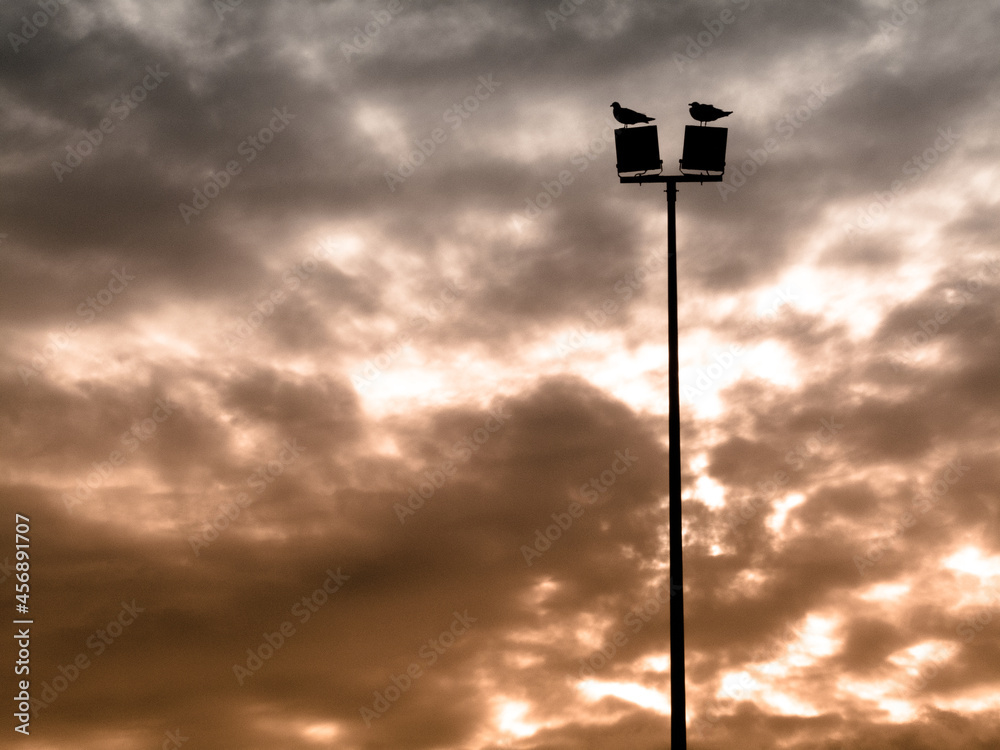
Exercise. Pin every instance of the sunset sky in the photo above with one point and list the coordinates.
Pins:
(334, 374)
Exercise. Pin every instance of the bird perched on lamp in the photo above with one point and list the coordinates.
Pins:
(627, 116)
(706, 112)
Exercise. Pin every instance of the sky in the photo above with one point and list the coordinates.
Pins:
(334, 359)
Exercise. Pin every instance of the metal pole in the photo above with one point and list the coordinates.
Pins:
(678, 705)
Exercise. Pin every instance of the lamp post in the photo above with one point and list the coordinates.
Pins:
(704, 149)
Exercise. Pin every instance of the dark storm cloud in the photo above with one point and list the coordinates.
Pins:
(196, 119)
(856, 97)
(124, 197)
(868, 643)
(326, 411)
(466, 545)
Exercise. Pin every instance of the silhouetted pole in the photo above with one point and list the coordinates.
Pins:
(678, 702)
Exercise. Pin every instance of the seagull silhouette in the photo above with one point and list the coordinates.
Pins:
(628, 116)
(706, 112)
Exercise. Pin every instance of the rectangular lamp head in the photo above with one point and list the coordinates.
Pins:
(638, 149)
(704, 149)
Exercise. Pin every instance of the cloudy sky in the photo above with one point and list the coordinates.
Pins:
(334, 374)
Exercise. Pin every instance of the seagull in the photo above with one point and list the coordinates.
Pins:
(628, 116)
(706, 112)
